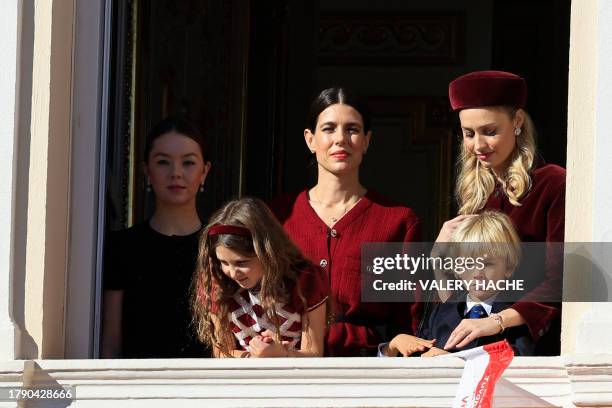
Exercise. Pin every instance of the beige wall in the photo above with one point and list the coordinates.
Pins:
(9, 74)
(580, 141)
(48, 180)
(587, 327)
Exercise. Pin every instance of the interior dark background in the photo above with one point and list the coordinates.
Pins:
(245, 71)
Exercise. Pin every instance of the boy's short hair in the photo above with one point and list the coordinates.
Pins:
(490, 233)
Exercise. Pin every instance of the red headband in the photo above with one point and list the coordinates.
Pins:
(220, 229)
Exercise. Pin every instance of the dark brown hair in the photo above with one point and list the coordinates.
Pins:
(282, 262)
(180, 125)
(333, 96)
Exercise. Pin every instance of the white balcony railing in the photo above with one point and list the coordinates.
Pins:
(566, 381)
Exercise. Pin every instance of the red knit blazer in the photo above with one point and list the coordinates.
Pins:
(539, 218)
(358, 327)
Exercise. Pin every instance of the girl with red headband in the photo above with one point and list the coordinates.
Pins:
(499, 170)
(254, 293)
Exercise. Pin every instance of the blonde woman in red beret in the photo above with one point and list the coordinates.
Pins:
(499, 170)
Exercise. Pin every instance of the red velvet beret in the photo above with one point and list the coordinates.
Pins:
(487, 88)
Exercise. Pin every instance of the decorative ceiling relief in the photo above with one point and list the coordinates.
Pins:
(392, 38)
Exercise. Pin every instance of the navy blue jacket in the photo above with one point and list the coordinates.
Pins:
(446, 316)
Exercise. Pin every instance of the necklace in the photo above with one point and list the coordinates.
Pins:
(335, 217)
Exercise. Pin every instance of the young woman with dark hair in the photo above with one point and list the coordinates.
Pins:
(149, 266)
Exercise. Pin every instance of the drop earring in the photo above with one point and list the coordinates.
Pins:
(148, 186)
(202, 187)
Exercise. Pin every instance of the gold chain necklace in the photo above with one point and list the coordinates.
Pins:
(334, 219)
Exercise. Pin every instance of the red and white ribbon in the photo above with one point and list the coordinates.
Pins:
(483, 367)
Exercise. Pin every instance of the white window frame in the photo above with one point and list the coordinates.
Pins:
(90, 128)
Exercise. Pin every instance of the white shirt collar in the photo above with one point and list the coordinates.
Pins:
(487, 304)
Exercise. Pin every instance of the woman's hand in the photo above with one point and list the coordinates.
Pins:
(450, 226)
(434, 351)
(471, 329)
(440, 249)
(406, 345)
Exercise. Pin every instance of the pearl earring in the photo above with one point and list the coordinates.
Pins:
(148, 186)
(517, 131)
(202, 187)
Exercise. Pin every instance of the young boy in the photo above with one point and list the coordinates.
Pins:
(490, 234)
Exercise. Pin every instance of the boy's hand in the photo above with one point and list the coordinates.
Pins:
(434, 351)
(406, 345)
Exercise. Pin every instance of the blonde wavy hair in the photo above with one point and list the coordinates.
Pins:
(212, 290)
(475, 183)
(491, 233)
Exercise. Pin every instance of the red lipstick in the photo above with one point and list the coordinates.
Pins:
(340, 154)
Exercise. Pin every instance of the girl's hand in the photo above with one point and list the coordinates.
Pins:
(265, 346)
(471, 329)
(407, 345)
(450, 226)
(260, 349)
(267, 336)
(434, 351)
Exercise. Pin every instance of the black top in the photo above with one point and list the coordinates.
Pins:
(154, 271)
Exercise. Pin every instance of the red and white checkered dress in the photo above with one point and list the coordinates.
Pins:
(248, 319)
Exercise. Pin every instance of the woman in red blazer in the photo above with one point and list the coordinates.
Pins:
(331, 220)
(499, 170)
